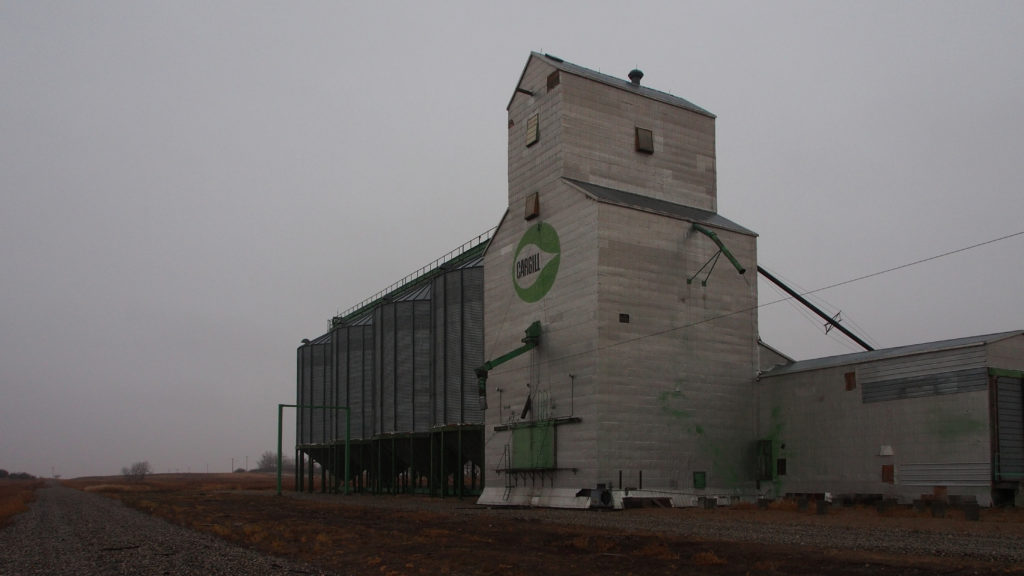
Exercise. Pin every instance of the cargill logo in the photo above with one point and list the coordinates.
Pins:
(535, 265)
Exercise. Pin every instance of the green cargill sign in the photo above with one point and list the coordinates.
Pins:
(535, 265)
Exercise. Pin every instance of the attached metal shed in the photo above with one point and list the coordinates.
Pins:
(921, 421)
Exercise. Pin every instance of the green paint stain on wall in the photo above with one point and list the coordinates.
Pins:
(950, 426)
(774, 435)
(672, 404)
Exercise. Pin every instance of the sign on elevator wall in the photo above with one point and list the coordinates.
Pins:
(535, 265)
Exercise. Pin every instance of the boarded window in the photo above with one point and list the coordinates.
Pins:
(851, 381)
(888, 473)
(644, 140)
(532, 206)
(553, 80)
(532, 130)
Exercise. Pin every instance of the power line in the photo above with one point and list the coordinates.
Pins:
(916, 262)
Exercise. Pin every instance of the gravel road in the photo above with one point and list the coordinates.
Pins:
(67, 531)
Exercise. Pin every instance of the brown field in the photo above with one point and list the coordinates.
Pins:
(394, 535)
(15, 496)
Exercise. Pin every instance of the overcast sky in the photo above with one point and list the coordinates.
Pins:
(190, 188)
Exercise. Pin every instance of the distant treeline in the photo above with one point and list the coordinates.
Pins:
(15, 475)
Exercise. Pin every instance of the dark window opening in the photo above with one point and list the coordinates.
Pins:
(851, 380)
(624, 318)
(780, 466)
(700, 480)
(553, 80)
(888, 473)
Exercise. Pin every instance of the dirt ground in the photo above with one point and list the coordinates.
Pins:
(415, 535)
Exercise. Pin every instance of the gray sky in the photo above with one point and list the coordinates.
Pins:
(190, 188)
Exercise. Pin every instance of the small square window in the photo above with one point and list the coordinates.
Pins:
(644, 140)
(553, 80)
(532, 130)
(888, 473)
(624, 318)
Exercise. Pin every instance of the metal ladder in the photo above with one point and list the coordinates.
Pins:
(506, 459)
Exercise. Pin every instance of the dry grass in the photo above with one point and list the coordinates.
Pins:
(15, 496)
(708, 558)
(180, 482)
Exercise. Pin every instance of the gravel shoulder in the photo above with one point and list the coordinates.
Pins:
(68, 531)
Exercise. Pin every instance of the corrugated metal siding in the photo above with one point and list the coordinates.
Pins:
(360, 369)
(339, 377)
(440, 364)
(458, 346)
(1010, 413)
(317, 396)
(384, 384)
(305, 419)
(453, 348)
(944, 474)
(421, 367)
(922, 364)
(404, 366)
(472, 342)
(956, 382)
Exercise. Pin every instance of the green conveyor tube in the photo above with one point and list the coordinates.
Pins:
(721, 246)
(529, 341)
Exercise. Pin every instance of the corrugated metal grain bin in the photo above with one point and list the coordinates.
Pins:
(403, 359)
(314, 368)
(321, 388)
(304, 364)
(353, 372)
(458, 344)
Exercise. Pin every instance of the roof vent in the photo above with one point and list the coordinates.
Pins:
(635, 75)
